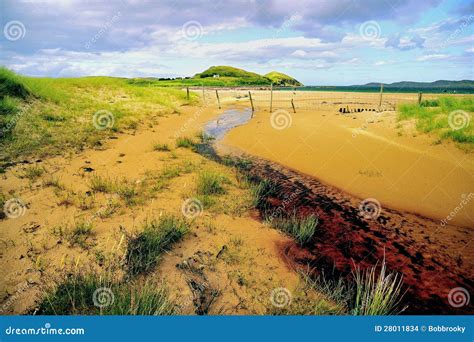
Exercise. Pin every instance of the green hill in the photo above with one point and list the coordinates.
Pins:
(222, 76)
(281, 79)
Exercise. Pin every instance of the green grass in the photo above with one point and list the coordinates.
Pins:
(373, 291)
(161, 147)
(75, 296)
(131, 192)
(211, 183)
(185, 142)
(12, 85)
(261, 191)
(77, 234)
(302, 229)
(33, 172)
(376, 294)
(158, 236)
(45, 116)
(433, 116)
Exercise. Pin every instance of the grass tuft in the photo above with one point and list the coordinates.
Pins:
(301, 228)
(75, 296)
(211, 183)
(33, 172)
(157, 237)
(376, 294)
(161, 147)
(185, 142)
(77, 234)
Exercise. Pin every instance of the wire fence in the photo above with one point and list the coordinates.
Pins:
(294, 100)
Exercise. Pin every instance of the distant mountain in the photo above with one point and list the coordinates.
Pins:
(441, 84)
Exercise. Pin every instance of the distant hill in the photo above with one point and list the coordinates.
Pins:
(281, 79)
(223, 76)
(440, 85)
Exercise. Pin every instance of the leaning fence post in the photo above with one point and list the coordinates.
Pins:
(271, 97)
(293, 105)
(251, 103)
(187, 93)
(380, 98)
(218, 100)
(420, 94)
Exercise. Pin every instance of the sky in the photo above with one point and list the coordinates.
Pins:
(319, 42)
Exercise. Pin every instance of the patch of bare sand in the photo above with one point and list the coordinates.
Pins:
(244, 274)
(369, 155)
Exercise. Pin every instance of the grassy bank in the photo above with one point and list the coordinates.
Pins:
(447, 117)
(44, 116)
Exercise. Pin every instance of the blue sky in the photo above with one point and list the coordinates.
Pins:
(325, 42)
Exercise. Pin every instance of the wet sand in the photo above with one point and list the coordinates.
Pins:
(367, 154)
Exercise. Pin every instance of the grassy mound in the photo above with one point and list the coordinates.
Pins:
(448, 117)
(45, 116)
(12, 85)
(281, 79)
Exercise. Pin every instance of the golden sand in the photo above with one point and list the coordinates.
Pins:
(367, 154)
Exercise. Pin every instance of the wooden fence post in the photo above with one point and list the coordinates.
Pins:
(420, 94)
(187, 93)
(380, 99)
(218, 100)
(251, 103)
(271, 97)
(293, 105)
